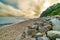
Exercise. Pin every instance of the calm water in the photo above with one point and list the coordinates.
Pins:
(10, 20)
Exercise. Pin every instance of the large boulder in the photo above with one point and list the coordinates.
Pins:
(53, 34)
(56, 24)
(57, 38)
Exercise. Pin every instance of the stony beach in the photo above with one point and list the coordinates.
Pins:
(46, 30)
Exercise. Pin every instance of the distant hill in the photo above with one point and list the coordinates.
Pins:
(52, 10)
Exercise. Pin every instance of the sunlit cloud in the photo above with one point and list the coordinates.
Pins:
(27, 8)
(9, 10)
(47, 4)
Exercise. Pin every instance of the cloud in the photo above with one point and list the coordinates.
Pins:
(10, 1)
(48, 3)
(13, 3)
(27, 8)
(9, 11)
(6, 9)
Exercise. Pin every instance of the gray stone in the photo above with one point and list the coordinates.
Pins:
(57, 38)
(39, 38)
(56, 24)
(53, 34)
(45, 38)
(42, 38)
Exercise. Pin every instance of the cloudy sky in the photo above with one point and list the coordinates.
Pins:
(26, 7)
(10, 2)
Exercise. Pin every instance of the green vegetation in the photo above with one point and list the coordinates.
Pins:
(55, 12)
(52, 10)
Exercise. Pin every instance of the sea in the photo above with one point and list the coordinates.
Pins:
(11, 20)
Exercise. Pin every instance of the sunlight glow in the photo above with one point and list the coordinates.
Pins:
(46, 5)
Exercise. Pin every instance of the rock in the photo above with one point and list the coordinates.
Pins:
(53, 34)
(45, 25)
(29, 27)
(41, 23)
(39, 38)
(45, 38)
(57, 16)
(48, 27)
(57, 38)
(39, 34)
(32, 32)
(42, 38)
(56, 24)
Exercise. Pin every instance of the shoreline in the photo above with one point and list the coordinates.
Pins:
(12, 24)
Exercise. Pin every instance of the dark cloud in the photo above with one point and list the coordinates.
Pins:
(11, 3)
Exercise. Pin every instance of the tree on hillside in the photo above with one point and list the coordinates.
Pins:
(52, 10)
